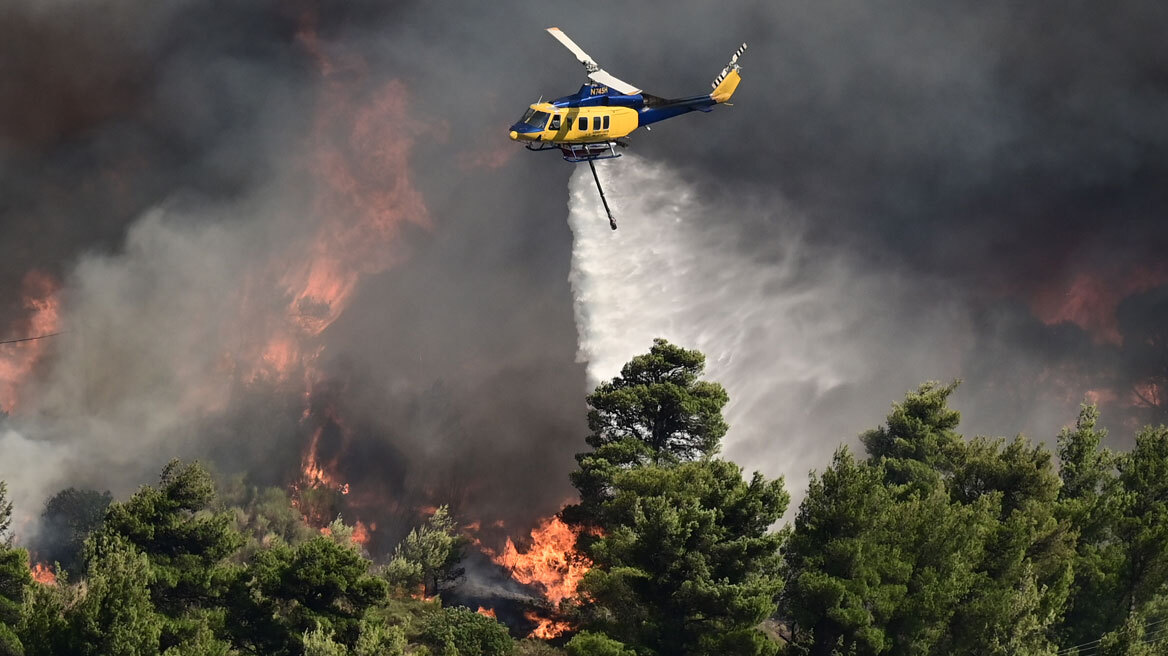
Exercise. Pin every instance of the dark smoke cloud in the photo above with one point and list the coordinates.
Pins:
(968, 155)
(453, 369)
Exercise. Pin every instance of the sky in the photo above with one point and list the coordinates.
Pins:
(900, 193)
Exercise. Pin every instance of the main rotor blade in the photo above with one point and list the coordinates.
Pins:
(606, 78)
(595, 73)
(582, 56)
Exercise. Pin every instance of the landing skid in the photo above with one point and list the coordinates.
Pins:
(576, 153)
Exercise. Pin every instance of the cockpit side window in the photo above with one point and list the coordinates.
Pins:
(555, 125)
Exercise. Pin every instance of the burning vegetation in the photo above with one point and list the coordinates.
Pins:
(23, 341)
(43, 574)
(549, 562)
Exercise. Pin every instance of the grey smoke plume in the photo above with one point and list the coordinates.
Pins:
(183, 220)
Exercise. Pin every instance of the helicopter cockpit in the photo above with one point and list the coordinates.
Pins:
(532, 121)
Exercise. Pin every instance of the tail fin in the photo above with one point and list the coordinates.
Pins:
(727, 81)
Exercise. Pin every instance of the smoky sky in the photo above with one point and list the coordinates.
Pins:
(992, 152)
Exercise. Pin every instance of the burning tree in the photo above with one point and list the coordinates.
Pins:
(683, 557)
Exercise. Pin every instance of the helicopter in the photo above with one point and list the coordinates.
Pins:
(590, 124)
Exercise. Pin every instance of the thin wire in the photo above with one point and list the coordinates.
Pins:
(1147, 639)
(1098, 640)
(28, 339)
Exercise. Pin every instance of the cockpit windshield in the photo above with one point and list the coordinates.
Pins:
(535, 119)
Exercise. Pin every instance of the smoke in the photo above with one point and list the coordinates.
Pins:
(247, 258)
(33, 471)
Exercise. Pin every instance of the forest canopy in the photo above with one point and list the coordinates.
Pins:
(920, 541)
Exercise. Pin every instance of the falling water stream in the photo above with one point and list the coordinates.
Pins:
(788, 328)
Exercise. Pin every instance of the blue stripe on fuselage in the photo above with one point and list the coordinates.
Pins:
(610, 98)
(673, 108)
(645, 114)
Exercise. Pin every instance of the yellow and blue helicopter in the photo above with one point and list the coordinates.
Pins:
(591, 123)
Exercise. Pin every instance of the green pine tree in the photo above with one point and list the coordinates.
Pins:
(684, 559)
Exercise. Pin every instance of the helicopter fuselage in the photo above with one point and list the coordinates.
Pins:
(599, 114)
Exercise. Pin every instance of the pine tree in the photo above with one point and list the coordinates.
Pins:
(684, 560)
(1090, 500)
(14, 581)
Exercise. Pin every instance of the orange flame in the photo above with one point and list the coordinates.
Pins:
(549, 563)
(420, 595)
(318, 474)
(313, 473)
(43, 574)
(546, 628)
(1148, 394)
(361, 533)
(1099, 396)
(363, 193)
(1089, 301)
(18, 360)
(486, 612)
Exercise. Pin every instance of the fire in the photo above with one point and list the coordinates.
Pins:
(1148, 394)
(1099, 396)
(43, 574)
(316, 475)
(361, 533)
(549, 563)
(420, 595)
(18, 360)
(362, 193)
(486, 612)
(1090, 300)
(546, 628)
(319, 472)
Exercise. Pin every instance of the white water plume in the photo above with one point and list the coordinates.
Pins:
(790, 330)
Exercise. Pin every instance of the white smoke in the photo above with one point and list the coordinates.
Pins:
(808, 349)
(140, 363)
(32, 470)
